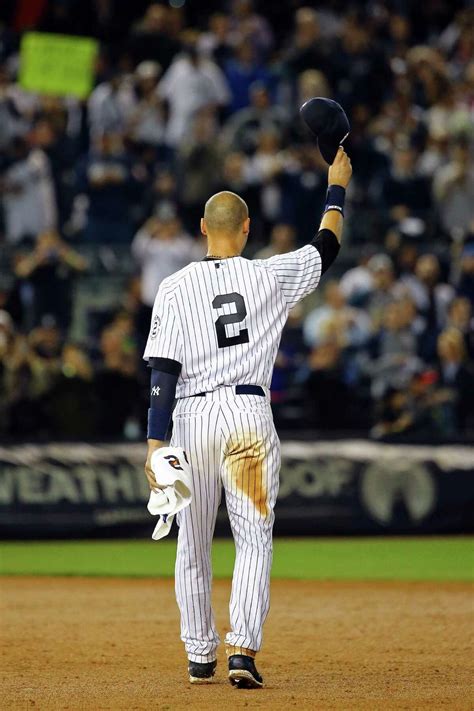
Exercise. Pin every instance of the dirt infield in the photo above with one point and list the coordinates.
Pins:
(98, 644)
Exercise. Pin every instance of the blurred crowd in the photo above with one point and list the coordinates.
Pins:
(189, 100)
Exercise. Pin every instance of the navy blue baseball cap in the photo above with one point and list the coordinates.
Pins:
(329, 123)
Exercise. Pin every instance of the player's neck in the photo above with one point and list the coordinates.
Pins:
(221, 250)
(224, 244)
(220, 255)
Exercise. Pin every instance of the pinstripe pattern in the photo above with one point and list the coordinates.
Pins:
(187, 331)
(226, 436)
(230, 439)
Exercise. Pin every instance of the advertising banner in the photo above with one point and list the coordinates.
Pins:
(330, 488)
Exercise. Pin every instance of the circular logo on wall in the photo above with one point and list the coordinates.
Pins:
(384, 484)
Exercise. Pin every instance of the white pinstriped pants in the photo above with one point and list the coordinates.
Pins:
(231, 443)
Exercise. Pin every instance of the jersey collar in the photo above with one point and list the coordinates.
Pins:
(219, 259)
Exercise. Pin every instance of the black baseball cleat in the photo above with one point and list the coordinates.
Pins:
(243, 673)
(201, 673)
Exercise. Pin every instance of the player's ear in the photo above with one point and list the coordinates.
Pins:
(203, 227)
(246, 226)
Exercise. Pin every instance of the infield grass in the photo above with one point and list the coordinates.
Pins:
(408, 559)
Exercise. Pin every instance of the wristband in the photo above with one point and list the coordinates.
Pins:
(335, 199)
(158, 423)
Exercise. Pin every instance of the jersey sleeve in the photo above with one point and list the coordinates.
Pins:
(298, 272)
(164, 338)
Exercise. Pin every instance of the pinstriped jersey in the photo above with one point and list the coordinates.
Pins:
(222, 318)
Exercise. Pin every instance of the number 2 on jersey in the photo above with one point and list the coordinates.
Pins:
(240, 313)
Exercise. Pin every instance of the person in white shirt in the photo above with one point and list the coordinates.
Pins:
(146, 122)
(160, 248)
(191, 83)
(29, 200)
(110, 106)
(353, 324)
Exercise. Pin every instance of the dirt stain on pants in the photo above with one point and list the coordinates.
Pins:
(246, 467)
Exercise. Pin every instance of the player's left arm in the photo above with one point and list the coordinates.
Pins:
(328, 239)
(298, 272)
(164, 354)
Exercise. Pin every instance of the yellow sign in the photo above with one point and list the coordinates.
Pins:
(57, 64)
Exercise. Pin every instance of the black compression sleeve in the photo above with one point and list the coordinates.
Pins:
(328, 247)
(164, 376)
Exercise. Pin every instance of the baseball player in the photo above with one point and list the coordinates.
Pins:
(214, 336)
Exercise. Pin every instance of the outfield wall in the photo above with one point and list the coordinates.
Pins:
(328, 488)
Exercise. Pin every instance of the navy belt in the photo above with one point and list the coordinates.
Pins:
(242, 390)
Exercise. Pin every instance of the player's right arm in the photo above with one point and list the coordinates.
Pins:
(299, 272)
(164, 355)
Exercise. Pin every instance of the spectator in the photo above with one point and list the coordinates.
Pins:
(189, 85)
(247, 24)
(164, 192)
(353, 325)
(110, 106)
(152, 37)
(216, 43)
(116, 382)
(31, 371)
(307, 49)
(289, 368)
(404, 192)
(431, 296)
(385, 287)
(282, 240)
(412, 413)
(14, 123)
(460, 317)
(56, 136)
(243, 128)
(326, 388)
(21, 409)
(236, 178)
(71, 408)
(359, 72)
(241, 72)
(28, 193)
(312, 82)
(145, 123)
(454, 189)
(107, 177)
(456, 378)
(160, 248)
(198, 168)
(264, 168)
(357, 283)
(392, 415)
(50, 269)
(303, 188)
(394, 349)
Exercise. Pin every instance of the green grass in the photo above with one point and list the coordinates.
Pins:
(437, 559)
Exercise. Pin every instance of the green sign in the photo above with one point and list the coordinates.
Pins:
(57, 64)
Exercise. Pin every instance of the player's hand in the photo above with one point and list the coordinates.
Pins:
(150, 476)
(153, 445)
(340, 171)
